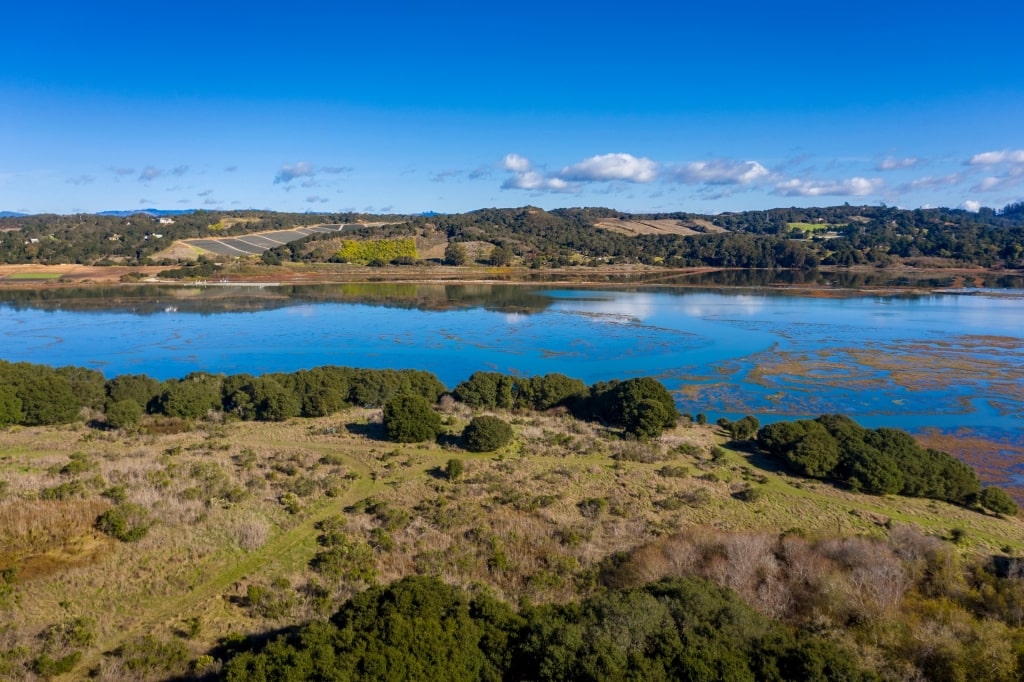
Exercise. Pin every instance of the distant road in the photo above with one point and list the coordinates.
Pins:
(257, 243)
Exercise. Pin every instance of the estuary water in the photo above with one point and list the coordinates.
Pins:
(912, 361)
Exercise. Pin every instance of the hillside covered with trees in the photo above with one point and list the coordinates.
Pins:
(795, 238)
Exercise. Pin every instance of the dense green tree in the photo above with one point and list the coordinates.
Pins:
(10, 406)
(323, 390)
(486, 390)
(486, 433)
(647, 418)
(501, 256)
(616, 402)
(138, 387)
(410, 418)
(275, 402)
(996, 500)
(88, 385)
(455, 254)
(46, 396)
(124, 414)
(191, 397)
(545, 392)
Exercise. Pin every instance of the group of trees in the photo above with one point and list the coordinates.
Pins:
(105, 239)
(752, 239)
(378, 251)
(880, 461)
(422, 629)
(33, 394)
(642, 406)
(877, 235)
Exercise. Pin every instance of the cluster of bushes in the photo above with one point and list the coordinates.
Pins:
(420, 628)
(643, 406)
(378, 251)
(33, 395)
(880, 461)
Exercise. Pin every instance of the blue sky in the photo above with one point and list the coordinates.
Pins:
(405, 107)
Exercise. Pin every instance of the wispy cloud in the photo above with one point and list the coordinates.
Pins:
(444, 175)
(719, 172)
(854, 187)
(179, 170)
(1005, 156)
(230, 169)
(80, 180)
(289, 172)
(929, 182)
(314, 199)
(995, 183)
(892, 163)
(606, 167)
(205, 193)
(305, 169)
(150, 173)
(1008, 166)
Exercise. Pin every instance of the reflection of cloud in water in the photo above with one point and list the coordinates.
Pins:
(622, 310)
(302, 311)
(743, 304)
(515, 318)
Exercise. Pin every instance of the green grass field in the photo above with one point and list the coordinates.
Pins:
(815, 227)
(34, 275)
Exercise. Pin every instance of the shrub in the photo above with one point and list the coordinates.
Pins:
(453, 470)
(486, 433)
(996, 500)
(128, 522)
(124, 414)
(411, 419)
(647, 418)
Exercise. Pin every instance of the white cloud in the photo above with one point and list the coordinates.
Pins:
(289, 172)
(930, 181)
(179, 170)
(892, 163)
(149, 173)
(314, 199)
(516, 163)
(855, 187)
(719, 172)
(604, 167)
(1013, 156)
(993, 183)
(532, 180)
(971, 205)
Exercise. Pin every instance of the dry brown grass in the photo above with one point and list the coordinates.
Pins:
(235, 505)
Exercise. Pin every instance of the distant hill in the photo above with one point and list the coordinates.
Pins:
(11, 214)
(155, 212)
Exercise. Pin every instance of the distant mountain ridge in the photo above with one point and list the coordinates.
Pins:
(11, 214)
(155, 212)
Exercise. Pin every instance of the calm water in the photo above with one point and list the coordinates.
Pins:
(910, 361)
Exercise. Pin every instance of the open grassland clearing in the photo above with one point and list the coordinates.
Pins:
(254, 526)
(655, 226)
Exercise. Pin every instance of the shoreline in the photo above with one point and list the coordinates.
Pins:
(26, 276)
